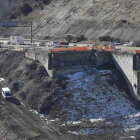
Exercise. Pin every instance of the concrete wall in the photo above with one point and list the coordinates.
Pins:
(70, 70)
(71, 62)
(59, 64)
(72, 58)
(30, 55)
(41, 57)
(136, 62)
(62, 63)
(124, 63)
(102, 57)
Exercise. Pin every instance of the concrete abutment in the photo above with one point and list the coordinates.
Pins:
(126, 63)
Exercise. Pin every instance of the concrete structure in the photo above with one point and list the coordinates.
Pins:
(128, 64)
(102, 57)
(16, 39)
(62, 63)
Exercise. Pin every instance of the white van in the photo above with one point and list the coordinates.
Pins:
(6, 93)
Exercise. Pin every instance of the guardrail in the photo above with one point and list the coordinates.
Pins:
(24, 48)
(84, 48)
(108, 48)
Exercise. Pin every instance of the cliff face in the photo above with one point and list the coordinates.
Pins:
(93, 18)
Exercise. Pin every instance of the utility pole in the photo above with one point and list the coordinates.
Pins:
(31, 32)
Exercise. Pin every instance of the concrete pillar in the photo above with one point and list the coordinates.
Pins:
(50, 61)
(102, 57)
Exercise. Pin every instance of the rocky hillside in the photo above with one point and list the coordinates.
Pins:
(29, 81)
(93, 18)
(93, 104)
(9, 6)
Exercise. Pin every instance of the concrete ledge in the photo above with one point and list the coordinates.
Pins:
(70, 70)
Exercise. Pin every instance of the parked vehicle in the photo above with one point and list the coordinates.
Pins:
(6, 93)
(43, 44)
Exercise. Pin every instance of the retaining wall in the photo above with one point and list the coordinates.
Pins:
(72, 58)
(124, 63)
(70, 70)
(62, 63)
(43, 58)
(102, 57)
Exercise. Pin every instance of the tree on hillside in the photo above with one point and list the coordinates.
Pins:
(26, 9)
(44, 1)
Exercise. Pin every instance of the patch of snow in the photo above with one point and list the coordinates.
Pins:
(21, 103)
(34, 111)
(2, 80)
(42, 116)
(95, 100)
(51, 120)
(63, 124)
(97, 120)
(73, 122)
(73, 132)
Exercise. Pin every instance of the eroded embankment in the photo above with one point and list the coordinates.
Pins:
(28, 81)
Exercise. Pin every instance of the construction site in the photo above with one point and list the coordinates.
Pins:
(69, 70)
(61, 87)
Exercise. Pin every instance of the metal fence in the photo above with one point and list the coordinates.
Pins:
(37, 49)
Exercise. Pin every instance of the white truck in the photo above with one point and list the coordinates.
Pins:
(6, 93)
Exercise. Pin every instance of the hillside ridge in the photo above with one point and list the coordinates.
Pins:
(92, 18)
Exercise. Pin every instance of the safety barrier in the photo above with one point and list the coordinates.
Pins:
(137, 51)
(85, 48)
(103, 48)
(12, 48)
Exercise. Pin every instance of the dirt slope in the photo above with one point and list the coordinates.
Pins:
(28, 80)
(32, 90)
(93, 18)
(18, 123)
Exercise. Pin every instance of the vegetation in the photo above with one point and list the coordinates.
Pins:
(71, 38)
(62, 82)
(81, 38)
(26, 9)
(105, 38)
(124, 21)
(12, 16)
(44, 1)
(108, 38)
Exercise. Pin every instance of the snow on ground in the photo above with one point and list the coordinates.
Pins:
(96, 103)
